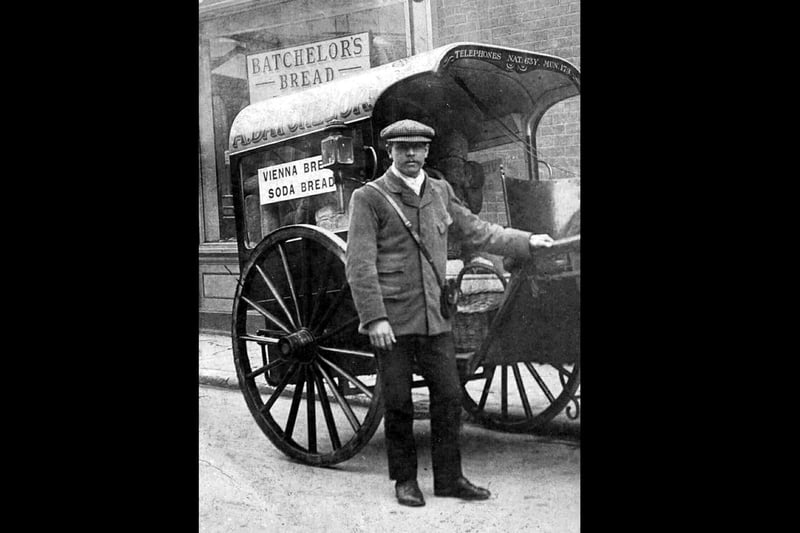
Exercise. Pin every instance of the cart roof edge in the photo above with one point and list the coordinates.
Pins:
(352, 99)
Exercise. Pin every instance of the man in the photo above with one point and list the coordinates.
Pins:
(397, 297)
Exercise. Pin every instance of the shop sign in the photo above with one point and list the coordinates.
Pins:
(279, 72)
(296, 179)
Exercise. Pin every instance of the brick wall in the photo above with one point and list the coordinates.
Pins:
(549, 26)
(558, 139)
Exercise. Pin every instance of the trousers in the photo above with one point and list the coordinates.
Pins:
(432, 357)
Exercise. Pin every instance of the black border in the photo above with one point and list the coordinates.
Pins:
(128, 269)
(648, 256)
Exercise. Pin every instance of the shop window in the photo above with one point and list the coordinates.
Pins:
(232, 38)
(268, 176)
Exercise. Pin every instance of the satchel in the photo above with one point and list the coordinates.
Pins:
(448, 300)
(450, 291)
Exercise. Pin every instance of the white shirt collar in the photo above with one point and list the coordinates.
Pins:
(414, 182)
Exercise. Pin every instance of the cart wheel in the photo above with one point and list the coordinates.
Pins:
(538, 393)
(295, 333)
(522, 396)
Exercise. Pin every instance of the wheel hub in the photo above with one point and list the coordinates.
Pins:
(299, 344)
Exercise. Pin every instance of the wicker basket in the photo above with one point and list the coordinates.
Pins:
(471, 323)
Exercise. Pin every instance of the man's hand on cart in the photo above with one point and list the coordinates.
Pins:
(536, 241)
(381, 334)
(541, 240)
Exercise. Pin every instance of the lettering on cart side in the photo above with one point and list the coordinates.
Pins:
(318, 184)
(522, 60)
(296, 179)
(276, 173)
(560, 67)
(266, 134)
(281, 190)
(480, 54)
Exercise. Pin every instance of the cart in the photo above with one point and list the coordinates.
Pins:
(294, 162)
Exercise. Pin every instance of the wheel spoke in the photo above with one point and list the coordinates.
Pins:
(306, 280)
(504, 391)
(564, 375)
(318, 299)
(323, 289)
(290, 281)
(563, 370)
(298, 395)
(525, 405)
(326, 409)
(278, 297)
(341, 351)
(266, 368)
(320, 326)
(352, 379)
(348, 412)
(540, 381)
(486, 387)
(269, 316)
(311, 413)
(270, 333)
(282, 385)
(260, 340)
(349, 323)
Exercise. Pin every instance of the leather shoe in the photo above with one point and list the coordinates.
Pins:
(463, 489)
(408, 493)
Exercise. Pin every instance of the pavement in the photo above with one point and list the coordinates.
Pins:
(216, 368)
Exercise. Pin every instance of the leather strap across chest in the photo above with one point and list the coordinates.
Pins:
(410, 228)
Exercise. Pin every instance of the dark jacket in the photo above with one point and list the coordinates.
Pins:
(388, 275)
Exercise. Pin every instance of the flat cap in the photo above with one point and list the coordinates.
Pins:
(408, 131)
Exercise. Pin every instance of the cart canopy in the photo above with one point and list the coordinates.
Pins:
(482, 89)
